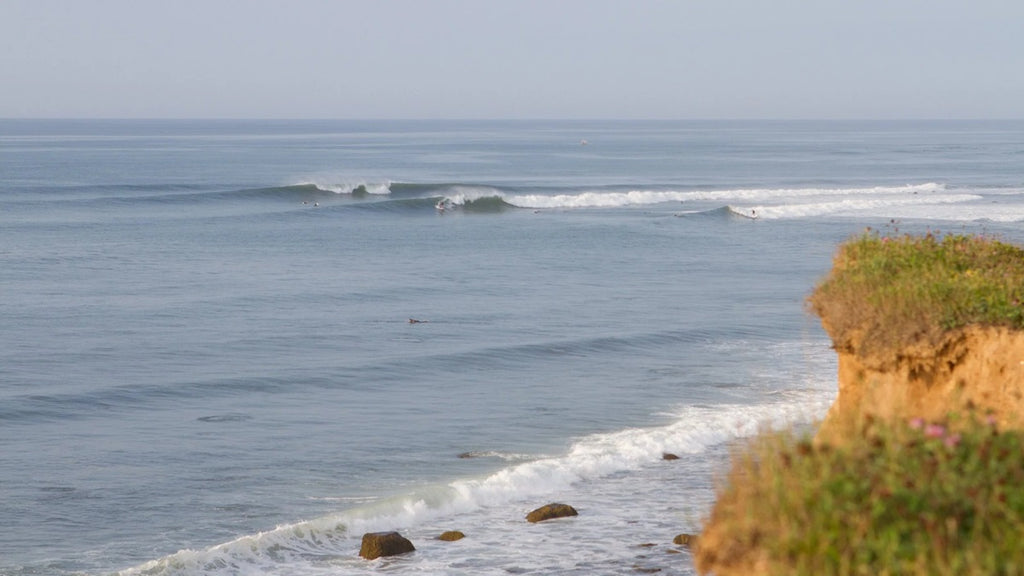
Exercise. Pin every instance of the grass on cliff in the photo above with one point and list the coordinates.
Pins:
(887, 292)
(910, 499)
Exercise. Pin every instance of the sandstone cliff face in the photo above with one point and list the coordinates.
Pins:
(979, 369)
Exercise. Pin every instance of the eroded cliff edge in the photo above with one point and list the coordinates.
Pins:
(924, 327)
(976, 369)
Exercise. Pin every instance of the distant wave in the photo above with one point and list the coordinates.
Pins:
(921, 202)
(392, 196)
(311, 546)
(606, 199)
(850, 206)
(30, 408)
(473, 199)
(453, 190)
(929, 200)
(354, 188)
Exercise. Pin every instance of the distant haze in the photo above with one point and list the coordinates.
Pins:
(512, 59)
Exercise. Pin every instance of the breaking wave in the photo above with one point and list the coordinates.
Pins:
(355, 188)
(930, 201)
(606, 199)
(327, 544)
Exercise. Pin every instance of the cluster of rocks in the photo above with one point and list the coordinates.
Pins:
(380, 544)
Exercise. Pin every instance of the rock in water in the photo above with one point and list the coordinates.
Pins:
(377, 544)
(688, 540)
(451, 536)
(669, 456)
(551, 511)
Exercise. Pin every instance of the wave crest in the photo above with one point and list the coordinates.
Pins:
(354, 188)
(607, 199)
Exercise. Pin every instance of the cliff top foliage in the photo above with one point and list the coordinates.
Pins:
(911, 498)
(886, 293)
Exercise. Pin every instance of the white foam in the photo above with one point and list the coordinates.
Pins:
(606, 199)
(882, 206)
(597, 199)
(311, 547)
(982, 211)
(348, 187)
(462, 195)
(928, 201)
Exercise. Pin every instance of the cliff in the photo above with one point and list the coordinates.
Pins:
(927, 330)
(976, 369)
(924, 327)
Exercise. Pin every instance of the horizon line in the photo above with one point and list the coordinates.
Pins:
(505, 119)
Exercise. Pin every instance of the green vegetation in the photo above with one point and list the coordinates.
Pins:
(907, 499)
(887, 292)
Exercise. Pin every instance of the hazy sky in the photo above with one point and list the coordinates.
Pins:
(512, 58)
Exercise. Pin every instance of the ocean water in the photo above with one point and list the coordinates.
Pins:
(233, 347)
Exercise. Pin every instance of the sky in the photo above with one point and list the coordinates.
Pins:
(544, 59)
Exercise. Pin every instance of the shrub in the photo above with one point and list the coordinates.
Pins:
(911, 498)
(884, 293)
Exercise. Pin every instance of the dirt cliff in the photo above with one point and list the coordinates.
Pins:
(974, 369)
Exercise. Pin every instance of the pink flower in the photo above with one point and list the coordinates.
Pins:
(935, 431)
(952, 440)
(917, 423)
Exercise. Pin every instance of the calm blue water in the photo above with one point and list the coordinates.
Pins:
(207, 364)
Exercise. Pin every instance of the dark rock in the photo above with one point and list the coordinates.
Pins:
(377, 544)
(669, 456)
(451, 536)
(688, 540)
(551, 511)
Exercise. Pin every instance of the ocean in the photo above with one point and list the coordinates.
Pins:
(234, 347)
